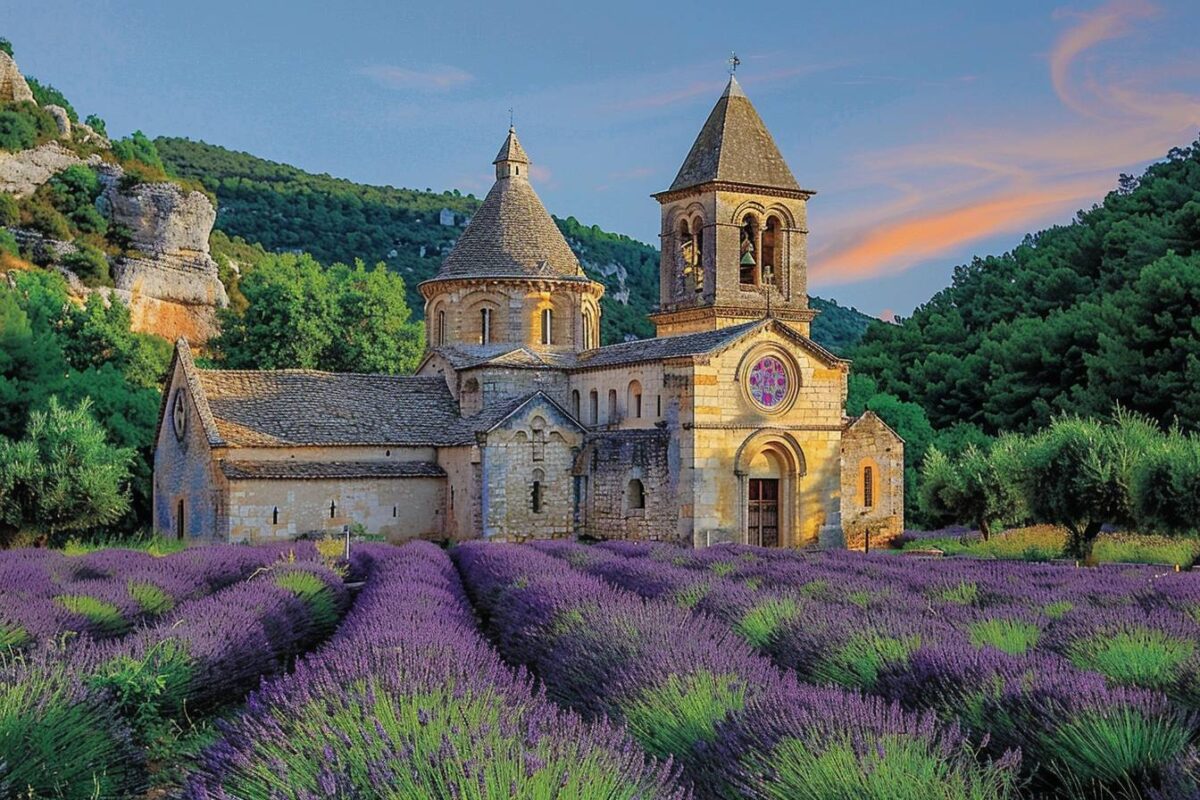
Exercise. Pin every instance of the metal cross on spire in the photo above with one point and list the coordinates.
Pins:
(510, 117)
(733, 62)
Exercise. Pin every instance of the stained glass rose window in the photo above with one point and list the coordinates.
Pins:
(768, 382)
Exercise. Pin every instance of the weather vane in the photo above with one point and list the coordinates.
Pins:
(733, 62)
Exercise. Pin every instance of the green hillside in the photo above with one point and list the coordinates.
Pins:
(288, 209)
(1077, 318)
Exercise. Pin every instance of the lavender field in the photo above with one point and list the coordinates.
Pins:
(559, 670)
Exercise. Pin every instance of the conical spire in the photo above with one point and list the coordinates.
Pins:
(511, 152)
(511, 235)
(735, 146)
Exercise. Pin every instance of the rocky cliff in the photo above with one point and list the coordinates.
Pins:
(165, 274)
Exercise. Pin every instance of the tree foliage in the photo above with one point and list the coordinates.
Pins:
(1076, 319)
(51, 347)
(1081, 473)
(63, 476)
(299, 314)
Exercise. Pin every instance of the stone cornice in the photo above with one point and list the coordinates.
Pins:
(738, 312)
(435, 286)
(730, 186)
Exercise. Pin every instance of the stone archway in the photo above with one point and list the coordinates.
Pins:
(769, 467)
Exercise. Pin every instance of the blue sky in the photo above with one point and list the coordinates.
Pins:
(931, 131)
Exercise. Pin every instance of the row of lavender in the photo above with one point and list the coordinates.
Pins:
(84, 722)
(48, 597)
(688, 687)
(1000, 649)
(408, 700)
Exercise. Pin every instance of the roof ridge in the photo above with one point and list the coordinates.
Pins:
(302, 371)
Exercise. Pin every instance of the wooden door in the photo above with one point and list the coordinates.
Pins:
(763, 511)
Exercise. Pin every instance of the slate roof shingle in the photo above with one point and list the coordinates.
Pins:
(302, 407)
(305, 470)
(734, 146)
(511, 235)
(689, 344)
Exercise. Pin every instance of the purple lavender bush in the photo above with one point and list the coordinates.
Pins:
(688, 686)
(409, 701)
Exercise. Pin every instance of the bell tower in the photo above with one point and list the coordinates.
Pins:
(734, 229)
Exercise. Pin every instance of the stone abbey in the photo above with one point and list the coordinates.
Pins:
(729, 425)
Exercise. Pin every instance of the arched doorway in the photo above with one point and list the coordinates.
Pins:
(769, 468)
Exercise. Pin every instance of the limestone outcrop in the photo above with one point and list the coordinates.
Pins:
(21, 173)
(13, 88)
(62, 119)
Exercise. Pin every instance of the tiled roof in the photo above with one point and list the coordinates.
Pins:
(693, 344)
(506, 355)
(690, 344)
(300, 407)
(293, 470)
(511, 150)
(511, 235)
(734, 146)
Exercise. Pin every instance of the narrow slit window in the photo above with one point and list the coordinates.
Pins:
(332, 508)
(868, 487)
(275, 516)
(547, 326)
(485, 326)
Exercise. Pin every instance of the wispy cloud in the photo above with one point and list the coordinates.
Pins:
(976, 183)
(434, 78)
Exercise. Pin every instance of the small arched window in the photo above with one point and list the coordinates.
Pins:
(485, 325)
(633, 402)
(441, 327)
(275, 516)
(575, 403)
(332, 508)
(594, 407)
(698, 242)
(547, 326)
(612, 405)
(589, 340)
(868, 487)
(748, 249)
(179, 521)
(535, 493)
(770, 251)
(636, 494)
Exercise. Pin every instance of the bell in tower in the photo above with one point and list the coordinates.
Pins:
(734, 229)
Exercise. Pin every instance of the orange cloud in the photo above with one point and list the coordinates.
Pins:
(977, 183)
(898, 245)
(1111, 21)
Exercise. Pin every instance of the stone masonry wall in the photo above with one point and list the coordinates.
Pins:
(608, 463)
(869, 442)
(398, 508)
(511, 460)
(186, 471)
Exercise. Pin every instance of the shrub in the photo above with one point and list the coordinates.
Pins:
(105, 616)
(47, 95)
(89, 263)
(9, 244)
(97, 124)
(1007, 635)
(10, 211)
(138, 147)
(60, 740)
(6, 47)
(17, 131)
(45, 219)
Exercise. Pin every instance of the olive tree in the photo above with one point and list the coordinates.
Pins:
(977, 488)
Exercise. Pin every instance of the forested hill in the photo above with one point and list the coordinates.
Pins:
(286, 209)
(1078, 318)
